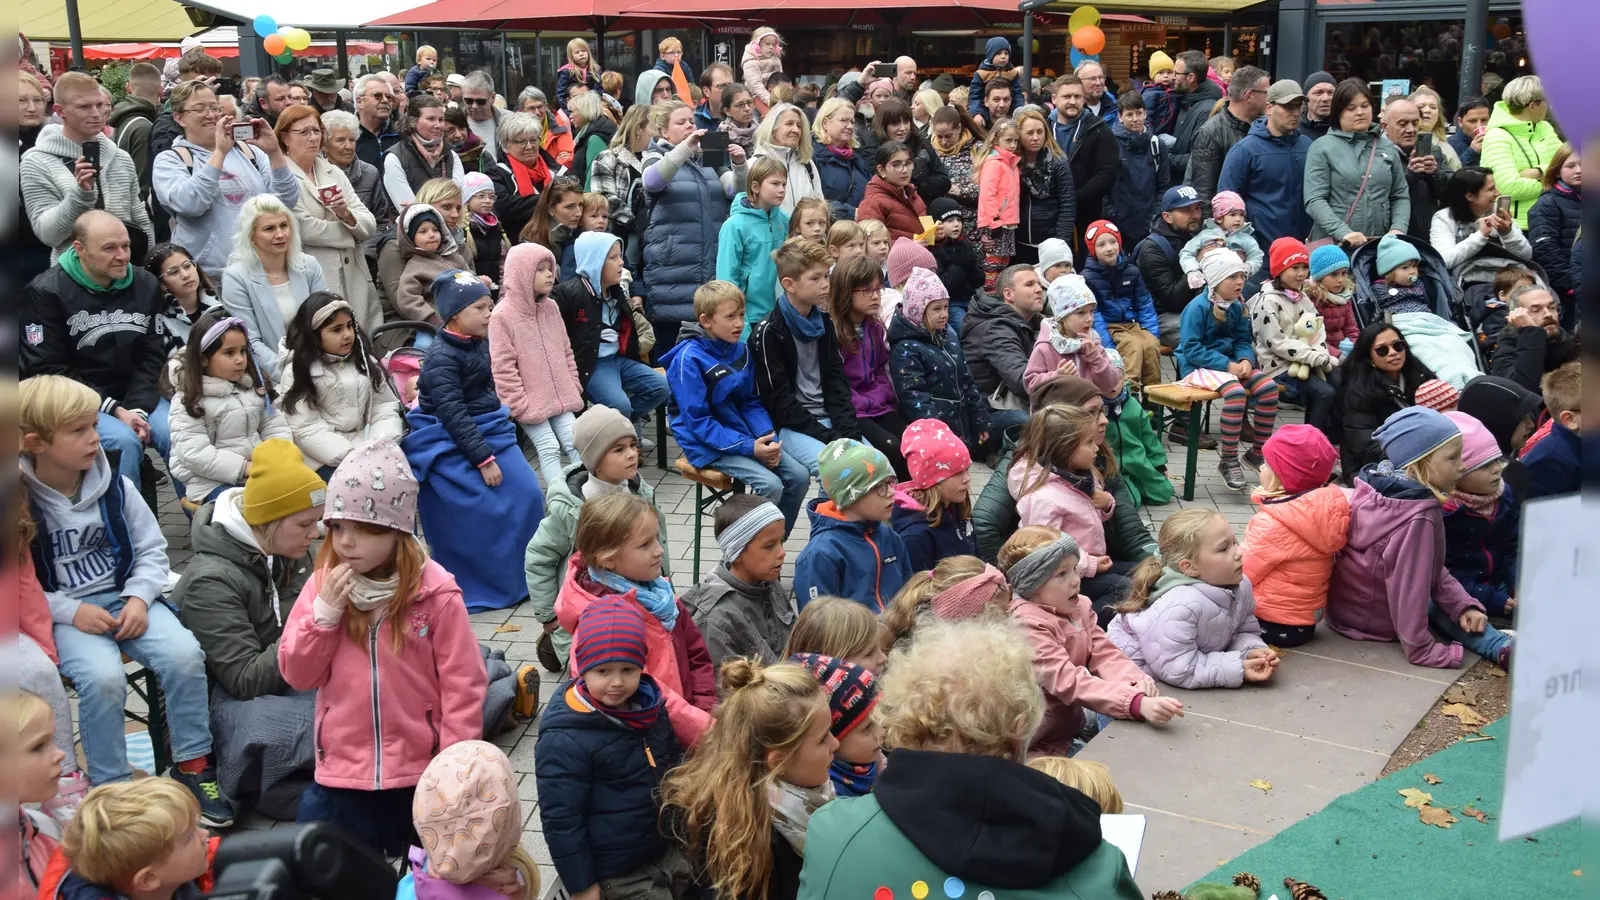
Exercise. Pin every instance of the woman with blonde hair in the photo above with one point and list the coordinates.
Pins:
(782, 136)
(842, 168)
(1430, 113)
(1520, 143)
(268, 276)
(444, 195)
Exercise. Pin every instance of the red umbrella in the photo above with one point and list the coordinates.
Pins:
(528, 15)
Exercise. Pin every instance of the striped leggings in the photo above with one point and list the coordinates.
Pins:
(1256, 391)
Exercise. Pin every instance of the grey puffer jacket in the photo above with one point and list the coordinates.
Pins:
(1192, 634)
(740, 619)
(687, 207)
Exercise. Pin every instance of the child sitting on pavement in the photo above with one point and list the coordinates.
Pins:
(742, 608)
(852, 698)
(933, 510)
(852, 552)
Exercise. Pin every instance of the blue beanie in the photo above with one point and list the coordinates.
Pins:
(1393, 252)
(995, 45)
(456, 290)
(1413, 433)
(1326, 260)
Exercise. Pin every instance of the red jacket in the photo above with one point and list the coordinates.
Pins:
(901, 211)
(1289, 550)
(1339, 320)
(33, 611)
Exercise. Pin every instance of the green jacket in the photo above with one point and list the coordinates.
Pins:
(1335, 170)
(1512, 145)
(545, 563)
(233, 604)
(994, 518)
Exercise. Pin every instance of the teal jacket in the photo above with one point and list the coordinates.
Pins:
(744, 256)
(1205, 343)
(1341, 197)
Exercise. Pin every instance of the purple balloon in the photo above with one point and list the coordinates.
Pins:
(1560, 37)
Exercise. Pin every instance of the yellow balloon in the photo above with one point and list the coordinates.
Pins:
(1082, 17)
(299, 39)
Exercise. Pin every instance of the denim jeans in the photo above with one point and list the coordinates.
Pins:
(786, 485)
(958, 314)
(551, 438)
(1003, 420)
(1486, 644)
(1317, 394)
(93, 663)
(628, 386)
(803, 447)
(114, 435)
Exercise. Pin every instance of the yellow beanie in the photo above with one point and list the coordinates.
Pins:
(1159, 62)
(280, 483)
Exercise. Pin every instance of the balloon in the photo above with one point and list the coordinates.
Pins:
(274, 44)
(1559, 36)
(1501, 30)
(285, 57)
(1083, 17)
(300, 39)
(1089, 39)
(1079, 57)
(264, 25)
(1036, 45)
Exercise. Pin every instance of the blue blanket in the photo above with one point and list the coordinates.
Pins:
(477, 532)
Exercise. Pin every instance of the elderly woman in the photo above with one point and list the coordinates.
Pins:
(556, 127)
(1430, 120)
(1355, 177)
(595, 130)
(842, 166)
(331, 218)
(1519, 144)
(782, 136)
(340, 133)
(268, 276)
(521, 172)
(1475, 239)
(252, 555)
(959, 707)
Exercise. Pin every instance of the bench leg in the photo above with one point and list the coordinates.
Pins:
(698, 506)
(1193, 456)
(661, 441)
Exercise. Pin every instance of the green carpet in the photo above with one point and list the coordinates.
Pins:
(1368, 845)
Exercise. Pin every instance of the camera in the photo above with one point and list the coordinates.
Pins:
(243, 131)
(316, 861)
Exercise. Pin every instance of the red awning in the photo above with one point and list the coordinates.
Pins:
(549, 15)
(172, 51)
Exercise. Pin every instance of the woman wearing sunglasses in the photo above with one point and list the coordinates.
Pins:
(1379, 377)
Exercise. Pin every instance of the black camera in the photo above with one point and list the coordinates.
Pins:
(315, 862)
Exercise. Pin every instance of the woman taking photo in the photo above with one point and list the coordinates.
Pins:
(782, 136)
(1355, 179)
(520, 174)
(893, 122)
(332, 220)
(1475, 239)
(1047, 191)
(268, 277)
(954, 134)
(1378, 377)
(188, 291)
(1520, 143)
(843, 169)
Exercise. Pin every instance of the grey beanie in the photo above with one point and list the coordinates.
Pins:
(596, 430)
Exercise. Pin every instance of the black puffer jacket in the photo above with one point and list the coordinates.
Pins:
(1049, 200)
(1000, 342)
(457, 386)
(1163, 277)
(1553, 225)
(1194, 109)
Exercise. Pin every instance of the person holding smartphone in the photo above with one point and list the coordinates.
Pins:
(1427, 175)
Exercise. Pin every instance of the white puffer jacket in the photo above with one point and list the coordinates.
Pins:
(210, 452)
(347, 411)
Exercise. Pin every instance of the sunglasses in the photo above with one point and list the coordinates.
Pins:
(1386, 349)
(475, 101)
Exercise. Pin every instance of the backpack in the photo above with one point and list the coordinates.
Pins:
(1161, 242)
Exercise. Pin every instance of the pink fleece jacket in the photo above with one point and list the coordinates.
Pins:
(380, 717)
(999, 191)
(1063, 507)
(535, 373)
(1076, 665)
(1091, 360)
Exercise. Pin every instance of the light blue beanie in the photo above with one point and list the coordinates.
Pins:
(1394, 252)
(1326, 260)
(1413, 433)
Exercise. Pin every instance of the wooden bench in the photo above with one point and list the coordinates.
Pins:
(720, 486)
(1181, 398)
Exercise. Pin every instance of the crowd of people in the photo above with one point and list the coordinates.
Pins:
(428, 331)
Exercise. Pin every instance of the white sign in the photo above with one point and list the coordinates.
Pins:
(1126, 833)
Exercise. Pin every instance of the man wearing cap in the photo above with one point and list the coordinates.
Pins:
(1247, 100)
(1319, 105)
(452, 86)
(1267, 168)
(1427, 175)
(325, 85)
(942, 85)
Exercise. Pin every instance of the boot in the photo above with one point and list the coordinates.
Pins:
(1178, 433)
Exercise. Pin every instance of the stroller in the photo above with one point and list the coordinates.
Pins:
(1436, 279)
(404, 362)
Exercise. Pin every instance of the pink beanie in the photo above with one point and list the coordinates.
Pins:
(466, 811)
(1301, 457)
(933, 453)
(1225, 202)
(1478, 447)
(922, 288)
(904, 255)
(374, 484)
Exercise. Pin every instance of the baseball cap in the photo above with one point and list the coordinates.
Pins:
(1179, 197)
(1284, 91)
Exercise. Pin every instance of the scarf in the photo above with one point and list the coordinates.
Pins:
(952, 148)
(73, 266)
(852, 779)
(431, 151)
(842, 152)
(743, 135)
(1083, 481)
(655, 596)
(1036, 178)
(594, 487)
(807, 328)
(1481, 505)
(1066, 346)
(367, 594)
(529, 180)
(792, 807)
(487, 220)
(644, 707)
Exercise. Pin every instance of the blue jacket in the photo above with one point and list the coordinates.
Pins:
(414, 76)
(864, 561)
(926, 544)
(1120, 296)
(703, 117)
(1205, 343)
(567, 78)
(680, 243)
(1141, 181)
(1269, 173)
(932, 381)
(457, 385)
(975, 90)
(719, 411)
(744, 255)
(1162, 111)
(1461, 142)
(1555, 464)
(598, 781)
(1482, 552)
(1553, 225)
(844, 181)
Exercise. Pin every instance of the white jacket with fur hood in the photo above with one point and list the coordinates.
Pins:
(210, 452)
(347, 411)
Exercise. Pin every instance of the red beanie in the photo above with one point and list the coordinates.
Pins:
(1286, 252)
(1300, 456)
(1099, 227)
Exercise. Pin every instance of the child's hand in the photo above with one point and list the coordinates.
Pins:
(1258, 669)
(91, 619)
(1197, 280)
(246, 470)
(1473, 621)
(1067, 367)
(1148, 686)
(1159, 710)
(1245, 368)
(1511, 603)
(1103, 565)
(491, 473)
(1101, 500)
(134, 620)
(502, 881)
(768, 452)
(335, 591)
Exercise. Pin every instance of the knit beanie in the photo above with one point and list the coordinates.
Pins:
(1099, 227)
(474, 183)
(904, 255)
(1072, 390)
(1478, 446)
(1316, 78)
(1436, 394)
(1301, 457)
(610, 630)
(280, 483)
(1219, 265)
(1394, 252)
(1053, 252)
(375, 485)
(466, 811)
(1287, 252)
(1328, 259)
(922, 288)
(941, 209)
(944, 83)
(1224, 202)
(1159, 62)
(851, 689)
(1068, 294)
(1413, 433)
(933, 453)
(456, 290)
(850, 469)
(418, 213)
(594, 432)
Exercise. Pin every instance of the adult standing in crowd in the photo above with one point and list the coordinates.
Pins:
(421, 155)
(843, 167)
(998, 101)
(1267, 168)
(1520, 143)
(1247, 100)
(522, 175)
(557, 128)
(1475, 239)
(1091, 151)
(325, 85)
(59, 181)
(1048, 198)
(374, 109)
(892, 121)
(194, 65)
(1377, 378)
(483, 117)
(1472, 125)
(330, 216)
(1319, 105)
(614, 173)
(1427, 175)
(998, 336)
(134, 118)
(271, 98)
(1533, 341)
(715, 77)
(29, 254)
(341, 132)
(783, 137)
(1355, 181)
(94, 279)
(206, 178)
(1196, 94)
(595, 128)
(1097, 101)
(268, 276)
(954, 134)
(902, 84)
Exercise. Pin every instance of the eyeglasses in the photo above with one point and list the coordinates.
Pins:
(203, 110)
(306, 132)
(1384, 350)
(742, 104)
(899, 165)
(883, 488)
(523, 142)
(868, 291)
(173, 272)
(475, 101)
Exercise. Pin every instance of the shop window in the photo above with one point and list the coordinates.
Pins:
(1421, 53)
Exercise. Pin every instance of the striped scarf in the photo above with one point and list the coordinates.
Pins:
(643, 707)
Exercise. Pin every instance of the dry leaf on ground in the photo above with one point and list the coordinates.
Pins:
(507, 627)
(1476, 738)
(1496, 671)
(1415, 797)
(1433, 815)
(1459, 694)
(1262, 785)
(1431, 778)
(1468, 716)
(1472, 812)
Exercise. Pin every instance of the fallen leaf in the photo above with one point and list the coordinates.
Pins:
(1476, 738)
(1261, 784)
(1278, 650)
(1433, 815)
(1473, 812)
(507, 627)
(1459, 694)
(1577, 873)
(1431, 778)
(1415, 797)
(1468, 716)
(1496, 671)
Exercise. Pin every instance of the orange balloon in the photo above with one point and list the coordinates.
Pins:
(1089, 39)
(1501, 30)
(274, 44)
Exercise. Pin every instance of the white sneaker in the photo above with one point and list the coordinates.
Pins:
(70, 790)
(172, 581)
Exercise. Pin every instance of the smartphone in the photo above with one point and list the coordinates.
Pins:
(714, 149)
(91, 152)
(1502, 206)
(243, 131)
(1424, 145)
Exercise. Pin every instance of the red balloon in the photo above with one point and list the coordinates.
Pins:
(1501, 30)
(274, 44)
(1089, 39)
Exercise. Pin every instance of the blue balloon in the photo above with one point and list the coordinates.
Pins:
(1079, 57)
(264, 25)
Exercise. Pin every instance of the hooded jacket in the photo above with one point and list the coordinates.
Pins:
(741, 619)
(986, 71)
(1289, 550)
(586, 312)
(999, 191)
(901, 209)
(772, 349)
(235, 597)
(864, 561)
(1481, 551)
(53, 200)
(1025, 836)
(686, 212)
(1120, 297)
(1060, 505)
(1273, 313)
(1192, 634)
(1142, 179)
(1163, 273)
(804, 180)
(1268, 171)
(927, 544)
(744, 255)
(598, 780)
(1501, 404)
(593, 140)
(211, 451)
(1091, 359)
(867, 368)
(1193, 109)
(1512, 145)
(718, 405)
(1336, 166)
(1001, 341)
(348, 410)
(932, 380)
(205, 202)
(1212, 141)
(755, 69)
(106, 338)
(1553, 225)
(131, 122)
(1093, 153)
(1077, 667)
(456, 387)
(535, 373)
(1205, 343)
(413, 293)
(1392, 569)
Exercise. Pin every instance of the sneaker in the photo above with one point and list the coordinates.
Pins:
(1253, 459)
(527, 699)
(1503, 658)
(1232, 473)
(215, 810)
(1178, 433)
(70, 790)
(646, 445)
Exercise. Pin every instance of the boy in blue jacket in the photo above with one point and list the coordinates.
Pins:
(719, 421)
(996, 64)
(1555, 464)
(853, 552)
(1125, 313)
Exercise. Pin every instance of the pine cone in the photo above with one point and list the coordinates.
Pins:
(1246, 880)
(1300, 890)
(1166, 895)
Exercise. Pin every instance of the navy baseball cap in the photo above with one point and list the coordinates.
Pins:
(1179, 197)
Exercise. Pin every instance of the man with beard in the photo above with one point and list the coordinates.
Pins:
(1319, 105)
(1195, 95)
(1182, 214)
(1091, 148)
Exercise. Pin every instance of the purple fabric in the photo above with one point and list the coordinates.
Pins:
(868, 371)
(427, 887)
(1193, 635)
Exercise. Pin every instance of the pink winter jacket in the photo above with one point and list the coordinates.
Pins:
(1091, 359)
(1076, 665)
(431, 694)
(534, 370)
(1063, 507)
(999, 191)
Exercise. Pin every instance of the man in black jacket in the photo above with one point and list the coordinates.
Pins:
(1427, 176)
(1247, 100)
(1196, 94)
(998, 337)
(92, 317)
(1182, 214)
(1319, 105)
(1090, 147)
(1533, 341)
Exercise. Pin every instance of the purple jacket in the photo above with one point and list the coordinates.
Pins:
(1392, 569)
(868, 371)
(1193, 634)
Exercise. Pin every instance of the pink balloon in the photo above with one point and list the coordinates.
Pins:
(1560, 34)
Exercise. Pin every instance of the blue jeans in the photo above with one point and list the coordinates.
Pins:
(628, 386)
(114, 435)
(93, 663)
(1486, 644)
(1003, 420)
(958, 314)
(803, 447)
(786, 485)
